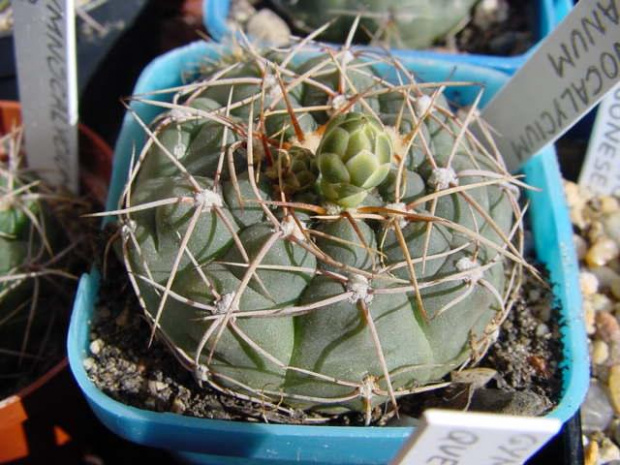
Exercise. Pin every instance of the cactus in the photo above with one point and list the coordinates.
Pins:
(307, 234)
(35, 269)
(413, 24)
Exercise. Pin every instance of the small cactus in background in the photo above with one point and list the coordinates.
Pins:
(36, 256)
(305, 233)
(412, 24)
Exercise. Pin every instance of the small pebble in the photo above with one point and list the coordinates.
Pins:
(489, 12)
(607, 327)
(89, 363)
(596, 411)
(96, 346)
(178, 406)
(606, 276)
(614, 387)
(603, 251)
(533, 295)
(614, 353)
(615, 288)
(611, 223)
(596, 232)
(609, 204)
(608, 451)
(602, 303)
(581, 246)
(156, 386)
(590, 454)
(542, 330)
(589, 317)
(576, 201)
(600, 352)
(588, 282)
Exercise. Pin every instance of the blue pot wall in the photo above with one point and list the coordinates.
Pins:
(549, 13)
(223, 442)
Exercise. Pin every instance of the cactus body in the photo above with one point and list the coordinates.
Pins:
(343, 241)
(33, 269)
(410, 24)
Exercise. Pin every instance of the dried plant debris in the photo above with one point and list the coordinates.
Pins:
(41, 252)
(596, 223)
(310, 238)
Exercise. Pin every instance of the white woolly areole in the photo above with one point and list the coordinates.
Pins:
(347, 57)
(290, 228)
(223, 304)
(441, 178)
(423, 104)
(360, 289)
(201, 373)
(272, 87)
(396, 138)
(462, 113)
(179, 114)
(128, 228)
(208, 199)
(466, 264)
(179, 148)
(401, 207)
(333, 209)
(367, 388)
(338, 101)
(311, 141)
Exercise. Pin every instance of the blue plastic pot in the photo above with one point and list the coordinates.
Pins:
(226, 442)
(549, 14)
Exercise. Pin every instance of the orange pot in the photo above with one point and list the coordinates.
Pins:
(38, 420)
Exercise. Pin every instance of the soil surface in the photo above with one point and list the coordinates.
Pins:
(127, 368)
(509, 36)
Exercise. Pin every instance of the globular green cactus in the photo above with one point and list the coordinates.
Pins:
(34, 296)
(410, 24)
(308, 234)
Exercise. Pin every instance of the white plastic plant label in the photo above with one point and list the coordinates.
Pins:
(448, 437)
(568, 74)
(45, 52)
(601, 168)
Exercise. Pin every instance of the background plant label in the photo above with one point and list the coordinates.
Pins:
(601, 168)
(567, 75)
(45, 51)
(464, 438)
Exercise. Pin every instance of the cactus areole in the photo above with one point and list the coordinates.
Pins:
(310, 234)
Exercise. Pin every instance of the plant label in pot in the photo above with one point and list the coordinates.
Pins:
(45, 53)
(568, 75)
(43, 247)
(601, 171)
